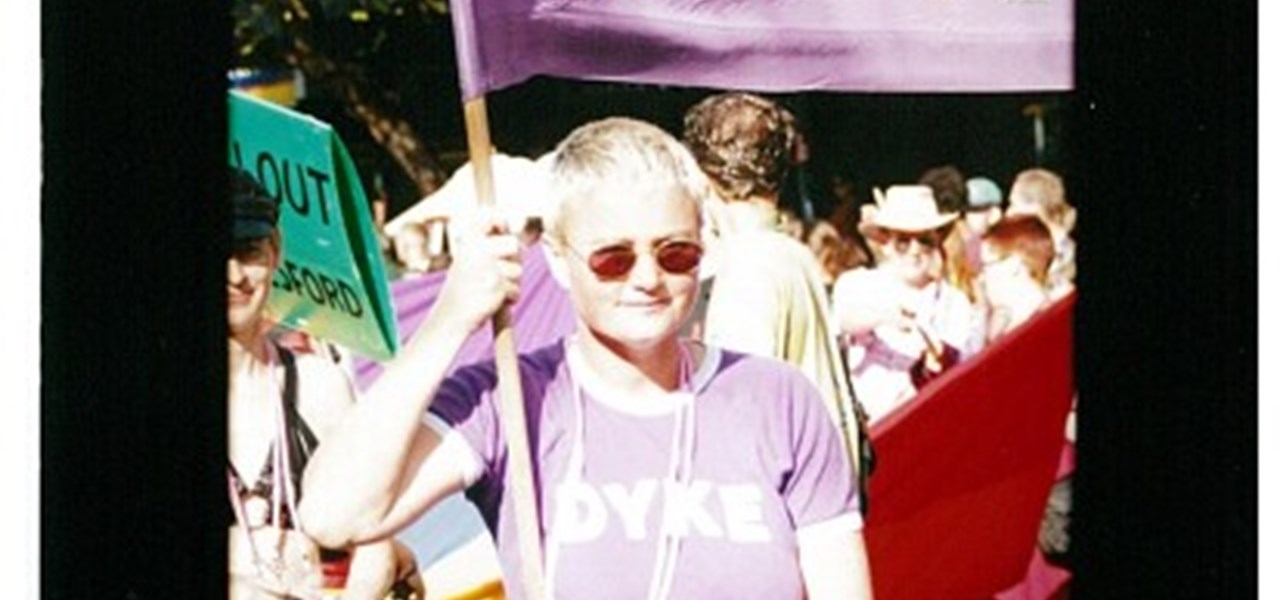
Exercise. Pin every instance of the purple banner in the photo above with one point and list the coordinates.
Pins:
(770, 45)
(543, 315)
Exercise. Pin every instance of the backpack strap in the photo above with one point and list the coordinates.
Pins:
(290, 392)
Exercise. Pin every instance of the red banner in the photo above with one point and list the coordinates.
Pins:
(965, 468)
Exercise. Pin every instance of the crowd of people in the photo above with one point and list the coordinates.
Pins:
(713, 400)
(918, 279)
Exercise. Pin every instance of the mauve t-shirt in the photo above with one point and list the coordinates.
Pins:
(622, 512)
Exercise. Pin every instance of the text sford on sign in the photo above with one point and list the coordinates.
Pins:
(320, 288)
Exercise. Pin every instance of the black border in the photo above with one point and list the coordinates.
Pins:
(1167, 329)
(1164, 143)
(132, 342)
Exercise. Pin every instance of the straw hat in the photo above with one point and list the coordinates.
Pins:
(909, 208)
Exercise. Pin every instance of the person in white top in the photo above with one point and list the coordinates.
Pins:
(281, 406)
(902, 322)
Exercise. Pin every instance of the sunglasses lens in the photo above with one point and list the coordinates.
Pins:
(611, 263)
(679, 257)
(615, 262)
(902, 243)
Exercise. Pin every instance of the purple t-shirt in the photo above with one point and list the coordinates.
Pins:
(633, 498)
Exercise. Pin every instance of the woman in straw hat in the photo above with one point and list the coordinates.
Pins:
(902, 322)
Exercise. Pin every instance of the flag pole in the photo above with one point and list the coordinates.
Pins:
(511, 412)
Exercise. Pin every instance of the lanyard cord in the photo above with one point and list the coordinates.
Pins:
(681, 476)
(283, 449)
(679, 472)
(237, 503)
(281, 483)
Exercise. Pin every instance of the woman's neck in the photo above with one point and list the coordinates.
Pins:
(636, 372)
(752, 214)
(245, 352)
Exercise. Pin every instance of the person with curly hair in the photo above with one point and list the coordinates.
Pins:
(767, 291)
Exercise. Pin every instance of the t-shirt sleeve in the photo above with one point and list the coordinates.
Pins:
(822, 485)
(465, 403)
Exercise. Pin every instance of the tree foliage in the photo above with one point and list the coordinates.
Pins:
(348, 51)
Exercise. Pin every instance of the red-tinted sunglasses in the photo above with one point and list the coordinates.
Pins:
(673, 256)
(902, 241)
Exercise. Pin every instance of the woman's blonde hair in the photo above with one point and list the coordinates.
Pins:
(1043, 189)
(618, 152)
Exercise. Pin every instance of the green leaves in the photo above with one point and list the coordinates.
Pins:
(255, 26)
(264, 30)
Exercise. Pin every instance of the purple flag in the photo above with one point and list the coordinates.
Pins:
(770, 45)
(543, 314)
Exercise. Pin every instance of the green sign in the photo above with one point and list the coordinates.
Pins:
(331, 283)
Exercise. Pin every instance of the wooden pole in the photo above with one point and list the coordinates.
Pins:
(510, 397)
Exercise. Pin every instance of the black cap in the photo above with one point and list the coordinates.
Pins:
(253, 212)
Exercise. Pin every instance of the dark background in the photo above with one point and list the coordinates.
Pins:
(874, 139)
(1161, 161)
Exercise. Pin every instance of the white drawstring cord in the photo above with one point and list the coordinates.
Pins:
(679, 472)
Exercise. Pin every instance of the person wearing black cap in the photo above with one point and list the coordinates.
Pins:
(278, 399)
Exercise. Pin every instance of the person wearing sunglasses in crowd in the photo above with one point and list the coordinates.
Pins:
(902, 322)
(768, 295)
(664, 468)
(281, 399)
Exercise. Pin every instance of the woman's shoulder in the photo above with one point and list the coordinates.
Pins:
(540, 364)
(325, 391)
(741, 370)
(747, 384)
